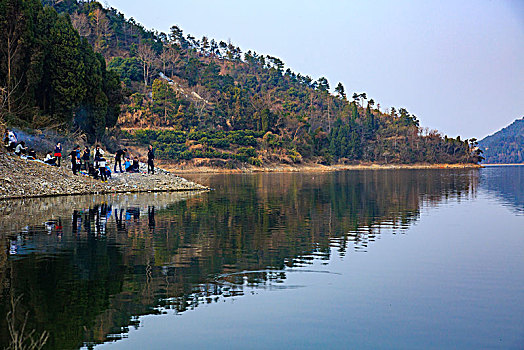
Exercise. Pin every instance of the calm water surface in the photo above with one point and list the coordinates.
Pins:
(398, 259)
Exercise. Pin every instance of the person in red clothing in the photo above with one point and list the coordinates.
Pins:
(58, 153)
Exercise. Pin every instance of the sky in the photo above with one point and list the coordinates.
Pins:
(457, 65)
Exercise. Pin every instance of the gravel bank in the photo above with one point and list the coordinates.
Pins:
(20, 178)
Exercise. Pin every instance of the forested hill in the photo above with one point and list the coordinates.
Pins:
(199, 98)
(506, 146)
(50, 77)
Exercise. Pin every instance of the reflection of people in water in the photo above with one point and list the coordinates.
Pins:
(134, 213)
(59, 228)
(100, 214)
(13, 247)
(151, 217)
(55, 226)
(88, 216)
(120, 224)
(76, 222)
(49, 226)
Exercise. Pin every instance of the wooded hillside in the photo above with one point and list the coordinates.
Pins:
(199, 98)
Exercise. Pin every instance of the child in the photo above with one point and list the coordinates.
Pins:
(108, 172)
(102, 168)
(127, 165)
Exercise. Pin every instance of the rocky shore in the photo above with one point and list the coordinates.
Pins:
(21, 178)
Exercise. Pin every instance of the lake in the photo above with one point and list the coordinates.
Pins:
(389, 259)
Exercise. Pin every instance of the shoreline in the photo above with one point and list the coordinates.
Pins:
(72, 194)
(21, 178)
(310, 168)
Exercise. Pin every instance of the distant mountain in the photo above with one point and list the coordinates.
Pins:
(505, 146)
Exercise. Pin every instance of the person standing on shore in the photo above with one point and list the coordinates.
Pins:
(102, 168)
(99, 153)
(118, 159)
(78, 159)
(58, 153)
(86, 158)
(75, 159)
(150, 160)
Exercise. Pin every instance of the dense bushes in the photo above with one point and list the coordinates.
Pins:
(180, 145)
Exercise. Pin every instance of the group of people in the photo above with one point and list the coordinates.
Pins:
(132, 165)
(19, 148)
(93, 163)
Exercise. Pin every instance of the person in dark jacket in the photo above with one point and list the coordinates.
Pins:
(86, 158)
(135, 167)
(75, 159)
(151, 160)
(118, 159)
(99, 153)
(31, 154)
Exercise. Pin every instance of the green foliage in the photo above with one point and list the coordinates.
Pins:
(128, 68)
(218, 103)
(53, 72)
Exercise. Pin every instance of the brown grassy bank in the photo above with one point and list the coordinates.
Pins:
(190, 168)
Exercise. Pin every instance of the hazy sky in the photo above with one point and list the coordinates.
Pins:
(457, 65)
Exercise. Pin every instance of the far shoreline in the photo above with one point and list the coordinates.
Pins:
(502, 164)
(309, 168)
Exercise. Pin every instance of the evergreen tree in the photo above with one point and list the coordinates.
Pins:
(340, 91)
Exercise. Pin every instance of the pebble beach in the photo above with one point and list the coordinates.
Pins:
(22, 178)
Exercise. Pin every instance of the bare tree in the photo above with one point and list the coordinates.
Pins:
(101, 24)
(81, 23)
(147, 56)
(165, 58)
(12, 49)
(170, 57)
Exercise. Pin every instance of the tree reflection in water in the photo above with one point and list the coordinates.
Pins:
(88, 267)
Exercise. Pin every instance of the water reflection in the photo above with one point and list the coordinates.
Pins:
(506, 183)
(88, 267)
